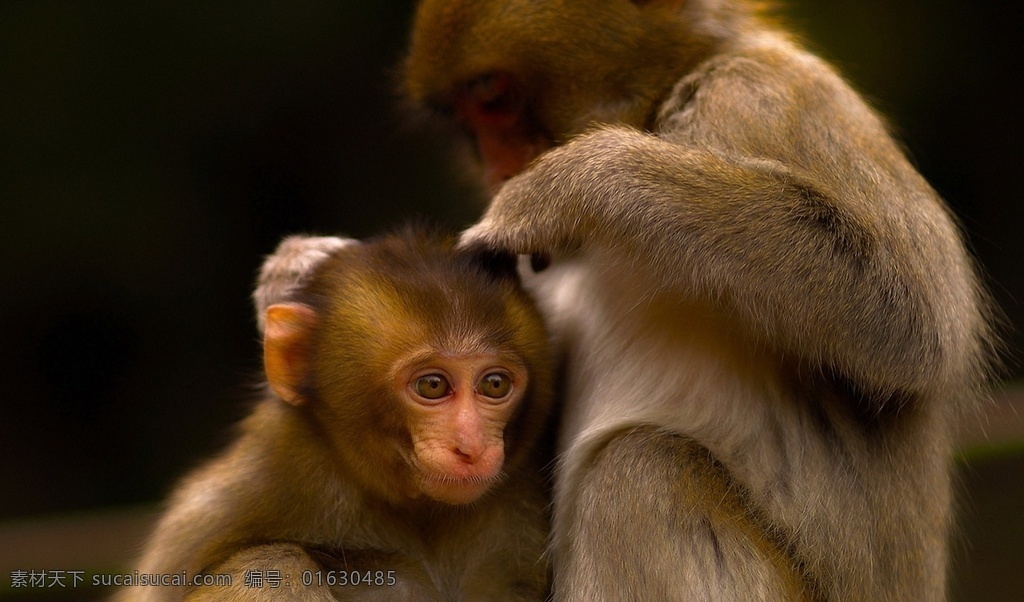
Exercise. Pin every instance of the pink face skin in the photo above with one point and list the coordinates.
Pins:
(457, 409)
(492, 109)
(454, 407)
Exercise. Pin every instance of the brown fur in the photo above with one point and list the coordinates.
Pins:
(317, 482)
(747, 269)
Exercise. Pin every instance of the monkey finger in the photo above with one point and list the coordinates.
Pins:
(540, 261)
(499, 263)
(300, 254)
(482, 238)
(289, 266)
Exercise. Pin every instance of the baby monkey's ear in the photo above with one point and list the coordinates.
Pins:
(287, 349)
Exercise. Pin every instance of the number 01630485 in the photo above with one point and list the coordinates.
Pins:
(343, 578)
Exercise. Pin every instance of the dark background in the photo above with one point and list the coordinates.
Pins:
(152, 152)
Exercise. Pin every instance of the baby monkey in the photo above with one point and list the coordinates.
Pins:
(399, 453)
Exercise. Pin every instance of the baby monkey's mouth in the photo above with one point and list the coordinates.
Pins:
(456, 489)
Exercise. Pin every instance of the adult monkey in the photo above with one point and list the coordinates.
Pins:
(769, 316)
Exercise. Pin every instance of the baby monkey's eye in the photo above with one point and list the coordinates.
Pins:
(432, 386)
(495, 385)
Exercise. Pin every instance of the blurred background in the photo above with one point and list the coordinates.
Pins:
(152, 153)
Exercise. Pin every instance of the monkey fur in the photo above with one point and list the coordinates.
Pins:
(333, 474)
(769, 318)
